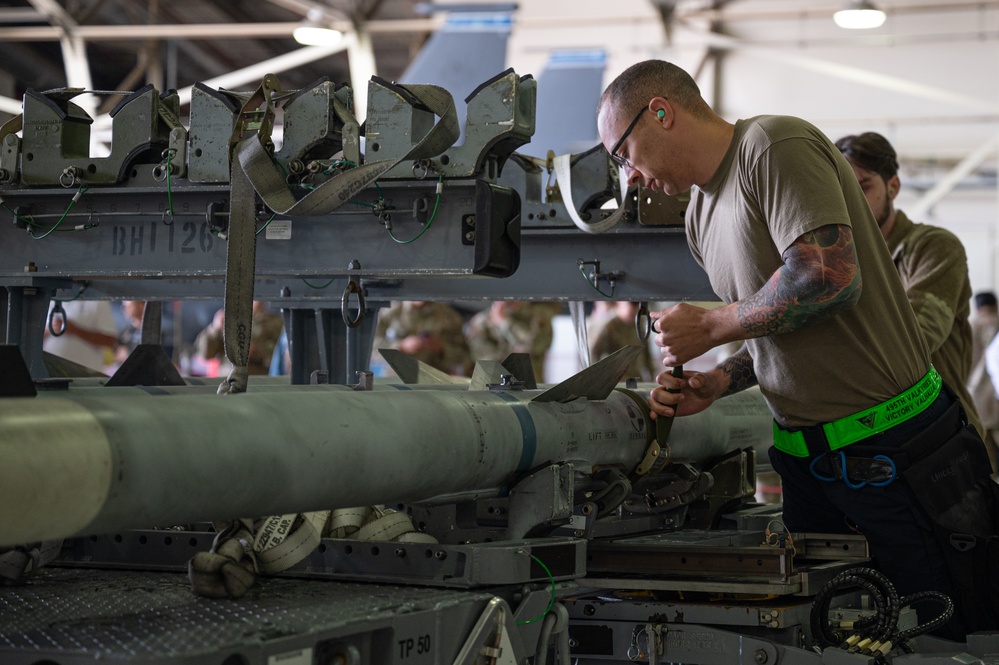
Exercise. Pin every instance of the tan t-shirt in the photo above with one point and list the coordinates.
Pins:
(781, 178)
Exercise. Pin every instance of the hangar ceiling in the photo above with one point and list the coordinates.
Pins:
(923, 77)
(177, 42)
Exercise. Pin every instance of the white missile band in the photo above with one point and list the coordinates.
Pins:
(58, 470)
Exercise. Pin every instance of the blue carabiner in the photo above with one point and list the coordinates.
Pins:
(811, 469)
(846, 476)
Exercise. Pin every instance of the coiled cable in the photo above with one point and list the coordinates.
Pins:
(878, 627)
(876, 635)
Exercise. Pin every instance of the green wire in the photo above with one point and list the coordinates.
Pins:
(72, 202)
(313, 286)
(430, 221)
(266, 224)
(83, 287)
(551, 601)
(595, 287)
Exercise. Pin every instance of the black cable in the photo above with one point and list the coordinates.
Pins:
(879, 627)
(879, 634)
(944, 616)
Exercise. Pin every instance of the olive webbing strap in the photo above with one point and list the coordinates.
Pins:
(280, 543)
(252, 169)
(241, 251)
(240, 269)
(274, 544)
(270, 184)
(562, 165)
(20, 562)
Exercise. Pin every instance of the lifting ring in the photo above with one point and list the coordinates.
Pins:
(643, 331)
(68, 177)
(352, 287)
(421, 169)
(57, 310)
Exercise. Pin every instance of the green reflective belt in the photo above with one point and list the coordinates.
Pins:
(851, 429)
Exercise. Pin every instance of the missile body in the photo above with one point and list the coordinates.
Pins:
(98, 461)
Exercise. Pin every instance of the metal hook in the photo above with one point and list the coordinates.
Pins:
(90, 218)
(57, 310)
(646, 330)
(163, 218)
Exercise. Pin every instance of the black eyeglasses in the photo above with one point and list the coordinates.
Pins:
(618, 159)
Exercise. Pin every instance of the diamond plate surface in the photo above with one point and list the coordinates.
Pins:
(78, 615)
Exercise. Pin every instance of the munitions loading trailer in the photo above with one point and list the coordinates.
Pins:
(598, 564)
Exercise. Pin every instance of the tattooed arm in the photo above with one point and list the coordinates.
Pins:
(819, 278)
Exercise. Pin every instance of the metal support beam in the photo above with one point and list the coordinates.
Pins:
(847, 72)
(949, 181)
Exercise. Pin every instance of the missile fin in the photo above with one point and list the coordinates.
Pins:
(596, 381)
(147, 365)
(519, 364)
(411, 370)
(486, 372)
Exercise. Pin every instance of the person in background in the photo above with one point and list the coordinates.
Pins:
(512, 326)
(620, 330)
(984, 327)
(429, 331)
(129, 336)
(780, 225)
(930, 260)
(84, 333)
(281, 358)
(265, 329)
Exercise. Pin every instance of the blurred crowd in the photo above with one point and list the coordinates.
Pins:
(100, 335)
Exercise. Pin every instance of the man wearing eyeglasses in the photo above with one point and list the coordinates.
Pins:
(781, 226)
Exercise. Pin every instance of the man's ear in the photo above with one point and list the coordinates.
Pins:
(663, 110)
(894, 184)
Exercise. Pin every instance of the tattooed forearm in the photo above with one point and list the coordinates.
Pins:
(739, 369)
(820, 277)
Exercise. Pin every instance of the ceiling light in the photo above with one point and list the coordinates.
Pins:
(313, 32)
(860, 15)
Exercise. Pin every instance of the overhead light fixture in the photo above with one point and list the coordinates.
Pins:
(315, 32)
(860, 15)
(427, 8)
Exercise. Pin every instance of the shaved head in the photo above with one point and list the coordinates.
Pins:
(652, 78)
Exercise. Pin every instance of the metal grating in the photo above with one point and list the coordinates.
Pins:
(78, 615)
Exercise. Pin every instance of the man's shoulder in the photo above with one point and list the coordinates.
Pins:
(777, 127)
(930, 236)
(783, 136)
